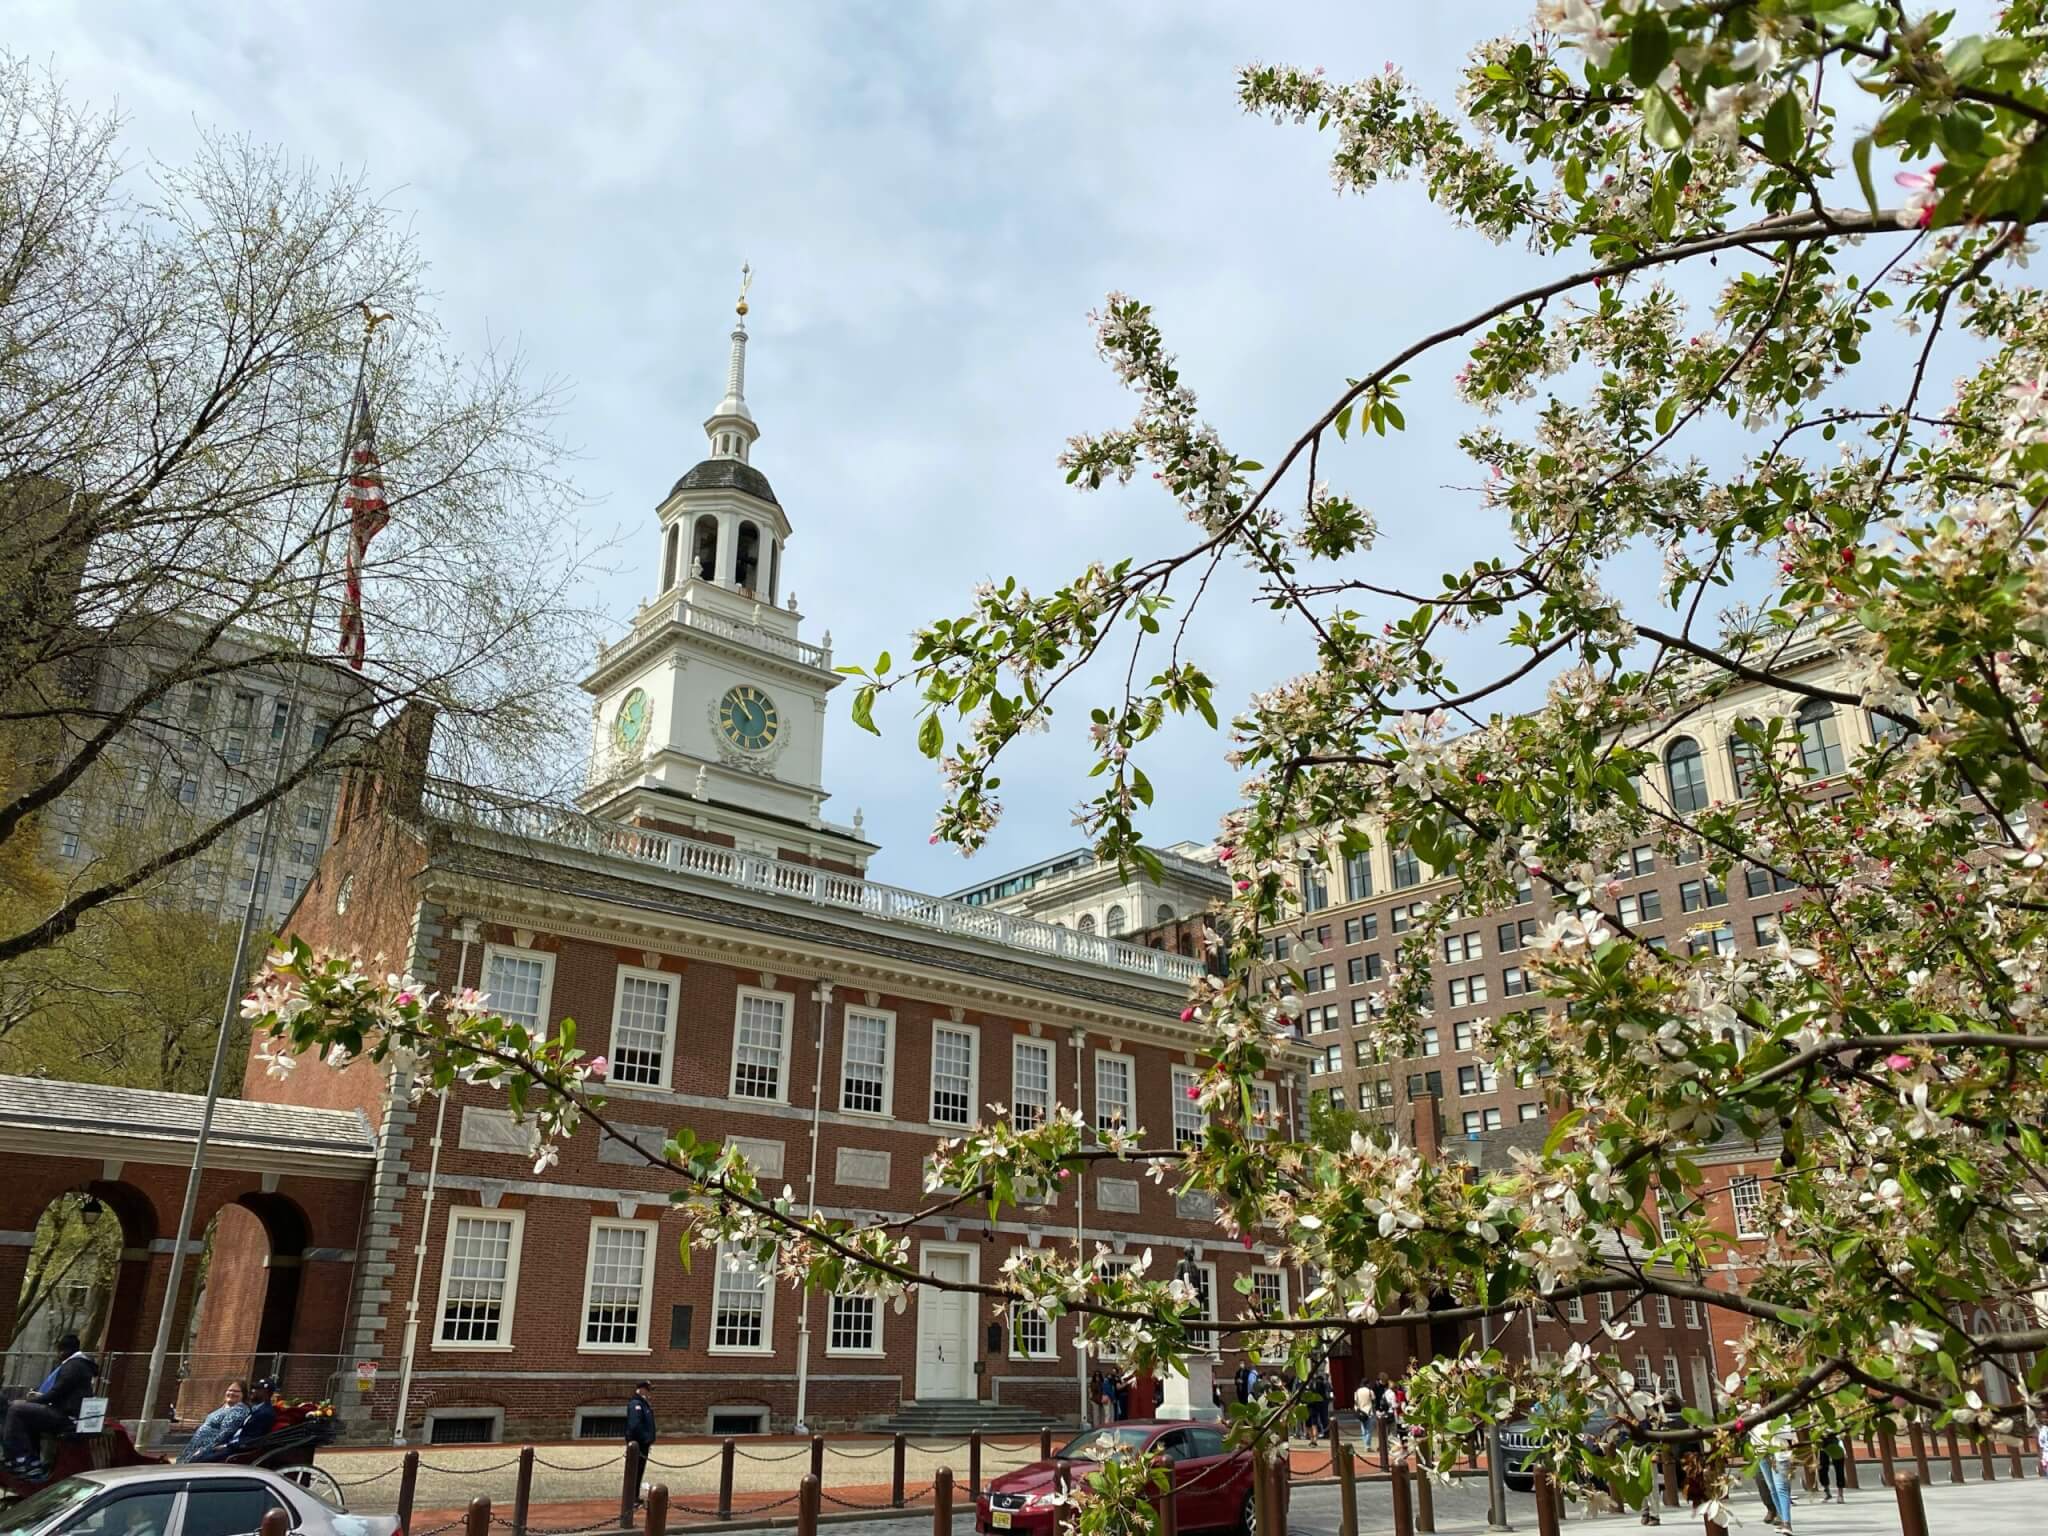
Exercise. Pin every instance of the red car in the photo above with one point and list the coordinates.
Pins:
(1212, 1486)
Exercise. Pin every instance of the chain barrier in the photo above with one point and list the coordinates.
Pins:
(834, 1498)
(364, 1482)
(881, 1450)
(587, 1466)
(802, 1450)
(673, 1466)
(938, 1449)
(428, 1466)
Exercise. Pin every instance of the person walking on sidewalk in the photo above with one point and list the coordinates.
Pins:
(1833, 1459)
(640, 1429)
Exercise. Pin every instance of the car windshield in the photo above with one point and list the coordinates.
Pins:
(38, 1508)
(1101, 1444)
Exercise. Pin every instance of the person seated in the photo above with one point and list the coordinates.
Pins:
(51, 1409)
(218, 1425)
(260, 1420)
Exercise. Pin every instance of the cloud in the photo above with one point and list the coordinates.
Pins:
(933, 197)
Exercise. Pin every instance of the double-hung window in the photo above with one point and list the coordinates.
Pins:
(1031, 1083)
(479, 1279)
(616, 1283)
(1030, 1333)
(855, 1327)
(742, 1305)
(643, 1027)
(1746, 1194)
(1269, 1291)
(1190, 1119)
(760, 1049)
(518, 983)
(1407, 869)
(1358, 876)
(953, 1074)
(1265, 1111)
(865, 1062)
(1115, 1091)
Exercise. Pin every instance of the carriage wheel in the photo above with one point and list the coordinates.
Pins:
(317, 1481)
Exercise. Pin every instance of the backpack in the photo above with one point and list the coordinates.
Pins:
(1244, 1382)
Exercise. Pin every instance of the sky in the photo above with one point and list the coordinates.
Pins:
(932, 198)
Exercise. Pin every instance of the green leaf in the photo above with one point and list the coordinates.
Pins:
(864, 711)
(1784, 128)
(1664, 124)
(1575, 178)
(1344, 422)
(882, 666)
(931, 736)
(1667, 413)
(1649, 49)
(1861, 155)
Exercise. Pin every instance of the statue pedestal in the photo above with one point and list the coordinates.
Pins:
(1192, 1396)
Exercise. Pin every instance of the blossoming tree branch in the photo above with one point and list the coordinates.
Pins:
(1725, 202)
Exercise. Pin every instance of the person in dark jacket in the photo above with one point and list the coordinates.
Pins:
(259, 1421)
(640, 1429)
(50, 1410)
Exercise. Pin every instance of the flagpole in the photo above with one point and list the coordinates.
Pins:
(231, 1006)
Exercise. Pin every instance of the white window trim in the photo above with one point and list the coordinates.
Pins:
(1052, 1334)
(732, 1081)
(1131, 1121)
(973, 1034)
(1215, 1308)
(673, 983)
(1265, 1097)
(510, 1307)
(767, 1344)
(834, 1353)
(495, 1415)
(1184, 1078)
(1268, 1269)
(646, 1344)
(888, 1018)
(1052, 1072)
(544, 1005)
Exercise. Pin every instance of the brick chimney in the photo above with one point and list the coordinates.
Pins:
(1429, 1141)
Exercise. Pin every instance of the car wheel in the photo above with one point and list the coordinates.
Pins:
(1519, 1484)
(1248, 1517)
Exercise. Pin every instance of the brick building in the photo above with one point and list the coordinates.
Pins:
(716, 938)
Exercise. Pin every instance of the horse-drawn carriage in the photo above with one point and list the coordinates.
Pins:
(287, 1449)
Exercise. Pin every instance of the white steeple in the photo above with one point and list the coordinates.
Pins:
(731, 426)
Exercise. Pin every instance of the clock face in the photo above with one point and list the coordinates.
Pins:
(629, 726)
(747, 718)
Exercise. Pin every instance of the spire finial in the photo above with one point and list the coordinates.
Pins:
(731, 427)
(746, 282)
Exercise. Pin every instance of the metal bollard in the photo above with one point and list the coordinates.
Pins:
(1347, 1488)
(1404, 1511)
(1262, 1490)
(1168, 1523)
(818, 1458)
(896, 1477)
(1849, 1462)
(1912, 1512)
(1984, 1458)
(807, 1506)
(1955, 1457)
(273, 1523)
(408, 1484)
(657, 1511)
(1045, 1443)
(974, 1464)
(2017, 1452)
(1887, 1455)
(1546, 1504)
(1919, 1438)
(942, 1502)
(522, 1494)
(1671, 1477)
(726, 1452)
(1425, 1499)
(478, 1521)
(629, 1489)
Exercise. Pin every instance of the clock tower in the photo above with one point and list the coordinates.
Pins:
(709, 714)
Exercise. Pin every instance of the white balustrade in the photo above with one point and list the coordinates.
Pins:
(690, 858)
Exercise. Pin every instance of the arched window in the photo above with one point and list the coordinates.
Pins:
(1685, 774)
(669, 546)
(746, 557)
(1820, 738)
(1744, 759)
(1085, 922)
(1165, 913)
(704, 549)
(1115, 925)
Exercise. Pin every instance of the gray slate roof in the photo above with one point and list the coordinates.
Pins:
(726, 475)
(45, 1104)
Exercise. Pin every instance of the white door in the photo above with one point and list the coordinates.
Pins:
(945, 1342)
(1702, 1389)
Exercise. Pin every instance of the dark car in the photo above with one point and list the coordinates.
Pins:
(1519, 1442)
(1212, 1486)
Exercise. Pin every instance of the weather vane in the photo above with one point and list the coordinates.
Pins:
(746, 282)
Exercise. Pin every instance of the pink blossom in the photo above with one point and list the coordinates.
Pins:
(1187, 1014)
(1194, 1090)
(1899, 1063)
(599, 1067)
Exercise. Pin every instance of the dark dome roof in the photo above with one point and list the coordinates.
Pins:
(726, 475)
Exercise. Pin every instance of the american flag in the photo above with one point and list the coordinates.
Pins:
(367, 514)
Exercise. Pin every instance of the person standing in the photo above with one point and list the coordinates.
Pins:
(640, 1429)
(1318, 1406)
(1832, 1457)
